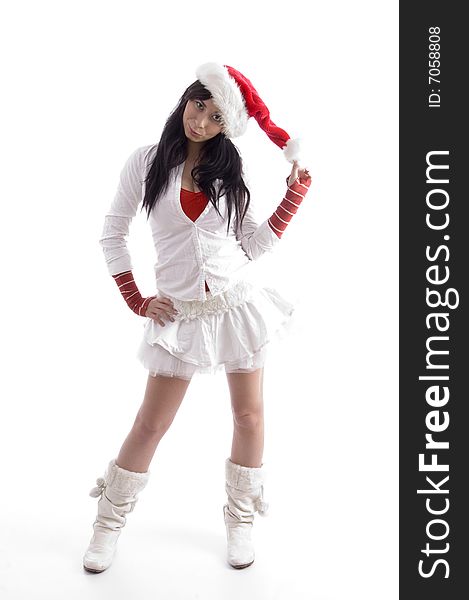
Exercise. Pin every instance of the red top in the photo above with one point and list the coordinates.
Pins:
(193, 203)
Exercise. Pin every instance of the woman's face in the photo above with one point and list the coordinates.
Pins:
(201, 117)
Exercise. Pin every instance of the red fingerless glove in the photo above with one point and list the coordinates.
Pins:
(129, 290)
(289, 205)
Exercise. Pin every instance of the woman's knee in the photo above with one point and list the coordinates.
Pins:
(248, 419)
(148, 428)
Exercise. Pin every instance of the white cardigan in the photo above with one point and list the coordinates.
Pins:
(188, 252)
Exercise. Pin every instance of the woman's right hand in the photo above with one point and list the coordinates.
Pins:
(160, 307)
(296, 172)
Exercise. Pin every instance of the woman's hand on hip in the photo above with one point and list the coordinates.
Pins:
(161, 307)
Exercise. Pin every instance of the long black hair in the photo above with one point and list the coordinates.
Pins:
(218, 159)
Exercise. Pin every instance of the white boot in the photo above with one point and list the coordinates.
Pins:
(245, 490)
(118, 491)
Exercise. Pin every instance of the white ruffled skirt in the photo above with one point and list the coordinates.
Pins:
(229, 331)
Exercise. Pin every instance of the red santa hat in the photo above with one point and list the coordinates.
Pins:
(238, 100)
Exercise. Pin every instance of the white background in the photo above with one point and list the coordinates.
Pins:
(85, 83)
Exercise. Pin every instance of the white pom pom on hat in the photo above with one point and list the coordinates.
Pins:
(238, 100)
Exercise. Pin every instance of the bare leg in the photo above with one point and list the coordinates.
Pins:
(163, 396)
(247, 405)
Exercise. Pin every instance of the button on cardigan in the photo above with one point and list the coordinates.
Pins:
(188, 252)
(193, 203)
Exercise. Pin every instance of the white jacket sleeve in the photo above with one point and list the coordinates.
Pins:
(121, 212)
(255, 239)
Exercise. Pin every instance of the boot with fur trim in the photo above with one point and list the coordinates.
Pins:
(118, 491)
(245, 490)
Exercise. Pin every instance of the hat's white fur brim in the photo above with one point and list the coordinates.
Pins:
(227, 96)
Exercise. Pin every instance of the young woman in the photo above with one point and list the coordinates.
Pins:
(205, 316)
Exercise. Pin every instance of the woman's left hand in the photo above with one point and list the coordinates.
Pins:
(303, 174)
